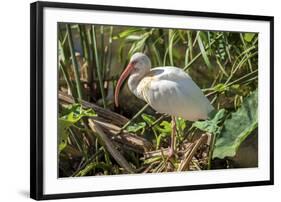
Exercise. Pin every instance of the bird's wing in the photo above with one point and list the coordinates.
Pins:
(169, 73)
(172, 91)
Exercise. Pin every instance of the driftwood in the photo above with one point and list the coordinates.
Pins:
(110, 146)
(111, 124)
(129, 140)
(107, 127)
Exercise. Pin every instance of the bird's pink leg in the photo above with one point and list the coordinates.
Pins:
(173, 137)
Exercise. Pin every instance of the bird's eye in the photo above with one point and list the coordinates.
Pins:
(134, 62)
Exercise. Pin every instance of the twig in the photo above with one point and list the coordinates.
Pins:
(185, 163)
(86, 163)
(136, 116)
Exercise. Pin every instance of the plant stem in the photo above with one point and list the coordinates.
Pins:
(135, 116)
(98, 66)
(109, 55)
(211, 150)
(87, 55)
(245, 47)
(68, 82)
(74, 62)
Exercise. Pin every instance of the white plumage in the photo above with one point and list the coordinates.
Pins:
(168, 90)
(172, 91)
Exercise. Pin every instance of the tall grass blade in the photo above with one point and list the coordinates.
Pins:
(98, 66)
(74, 63)
(203, 51)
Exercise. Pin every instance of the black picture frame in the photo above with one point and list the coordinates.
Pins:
(37, 100)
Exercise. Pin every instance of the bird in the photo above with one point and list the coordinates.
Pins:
(168, 90)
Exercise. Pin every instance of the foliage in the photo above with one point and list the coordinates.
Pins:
(91, 58)
(212, 126)
(69, 117)
(237, 127)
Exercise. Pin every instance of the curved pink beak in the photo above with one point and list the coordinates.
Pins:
(123, 76)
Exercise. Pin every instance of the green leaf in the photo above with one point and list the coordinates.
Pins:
(172, 36)
(203, 51)
(127, 33)
(92, 166)
(136, 127)
(181, 125)
(249, 37)
(165, 127)
(69, 117)
(237, 128)
(220, 87)
(148, 118)
(139, 44)
(213, 125)
(133, 38)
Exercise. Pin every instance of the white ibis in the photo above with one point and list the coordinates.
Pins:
(167, 90)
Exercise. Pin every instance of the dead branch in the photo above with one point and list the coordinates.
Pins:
(129, 140)
(110, 146)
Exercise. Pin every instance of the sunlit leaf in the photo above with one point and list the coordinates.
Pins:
(148, 118)
(127, 33)
(136, 127)
(249, 37)
(220, 87)
(165, 127)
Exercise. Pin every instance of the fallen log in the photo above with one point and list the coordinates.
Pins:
(111, 124)
(110, 146)
(129, 140)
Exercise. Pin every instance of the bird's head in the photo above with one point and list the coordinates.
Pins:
(139, 65)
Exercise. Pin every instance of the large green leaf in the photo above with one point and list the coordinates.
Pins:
(237, 128)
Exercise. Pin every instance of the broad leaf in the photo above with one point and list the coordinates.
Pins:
(237, 128)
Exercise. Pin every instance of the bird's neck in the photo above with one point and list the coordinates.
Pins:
(133, 83)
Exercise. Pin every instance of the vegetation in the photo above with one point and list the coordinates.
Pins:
(95, 138)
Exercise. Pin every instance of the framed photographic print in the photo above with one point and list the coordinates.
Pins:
(136, 100)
